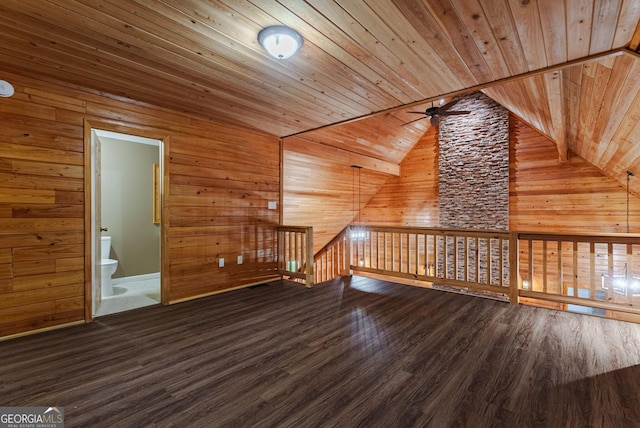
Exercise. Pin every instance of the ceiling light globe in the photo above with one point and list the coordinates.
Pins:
(6, 89)
(279, 41)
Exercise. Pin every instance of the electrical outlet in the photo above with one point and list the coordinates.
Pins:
(221, 262)
(272, 205)
(239, 260)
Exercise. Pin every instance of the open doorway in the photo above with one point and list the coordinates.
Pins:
(126, 197)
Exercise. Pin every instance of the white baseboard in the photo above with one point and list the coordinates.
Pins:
(144, 277)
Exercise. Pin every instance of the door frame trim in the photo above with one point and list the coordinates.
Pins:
(156, 134)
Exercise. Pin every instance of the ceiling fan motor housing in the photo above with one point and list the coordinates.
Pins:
(431, 111)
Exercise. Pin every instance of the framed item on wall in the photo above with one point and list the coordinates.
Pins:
(156, 193)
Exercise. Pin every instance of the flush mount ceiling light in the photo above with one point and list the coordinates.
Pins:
(6, 89)
(279, 41)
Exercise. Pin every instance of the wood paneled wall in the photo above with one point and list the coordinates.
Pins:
(545, 194)
(412, 198)
(318, 187)
(551, 196)
(219, 189)
(220, 179)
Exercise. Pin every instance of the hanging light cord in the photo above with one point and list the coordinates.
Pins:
(353, 193)
(629, 175)
(356, 214)
(359, 206)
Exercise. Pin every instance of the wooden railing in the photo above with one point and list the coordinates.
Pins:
(596, 274)
(295, 253)
(332, 260)
(586, 273)
(473, 260)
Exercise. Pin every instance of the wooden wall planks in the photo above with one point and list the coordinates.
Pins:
(545, 194)
(412, 198)
(593, 113)
(218, 189)
(552, 196)
(318, 188)
(216, 206)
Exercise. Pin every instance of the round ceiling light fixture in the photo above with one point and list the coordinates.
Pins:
(6, 89)
(279, 41)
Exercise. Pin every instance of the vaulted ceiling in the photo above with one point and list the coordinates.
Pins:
(570, 68)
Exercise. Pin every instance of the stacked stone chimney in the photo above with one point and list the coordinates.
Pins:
(474, 178)
(474, 165)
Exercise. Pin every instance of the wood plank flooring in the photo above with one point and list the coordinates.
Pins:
(355, 352)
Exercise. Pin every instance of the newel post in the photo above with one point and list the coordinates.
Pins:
(513, 268)
(309, 251)
(280, 251)
(349, 250)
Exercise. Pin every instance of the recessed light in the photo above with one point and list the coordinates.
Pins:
(279, 41)
(6, 89)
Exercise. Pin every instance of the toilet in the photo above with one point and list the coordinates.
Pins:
(107, 265)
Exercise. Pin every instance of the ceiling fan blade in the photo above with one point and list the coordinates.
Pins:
(447, 105)
(452, 113)
(435, 121)
(420, 118)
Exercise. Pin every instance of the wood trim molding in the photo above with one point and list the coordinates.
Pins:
(634, 44)
(213, 293)
(164, 150)
(88, 254)
(164, 220)
(633, 54)
(41, 330)
(281, 196)
(554, 85)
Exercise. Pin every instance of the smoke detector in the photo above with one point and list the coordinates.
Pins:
(6, 89)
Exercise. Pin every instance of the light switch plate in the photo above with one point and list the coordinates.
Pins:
(273, 205)
(221, 262)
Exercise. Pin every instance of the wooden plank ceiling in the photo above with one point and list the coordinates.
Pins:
(599, 108)
(359, 58)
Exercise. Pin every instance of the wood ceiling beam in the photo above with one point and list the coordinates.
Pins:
(554, 85)
(475, 88)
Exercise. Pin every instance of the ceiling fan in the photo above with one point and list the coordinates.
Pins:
(435, 113)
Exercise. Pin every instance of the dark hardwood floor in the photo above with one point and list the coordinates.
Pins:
(355, 352)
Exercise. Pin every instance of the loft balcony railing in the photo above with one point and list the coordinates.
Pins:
(596, 274)
(474, 260)
(295, 253)
(333, 260)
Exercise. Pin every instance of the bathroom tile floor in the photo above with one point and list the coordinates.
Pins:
(130, 295)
